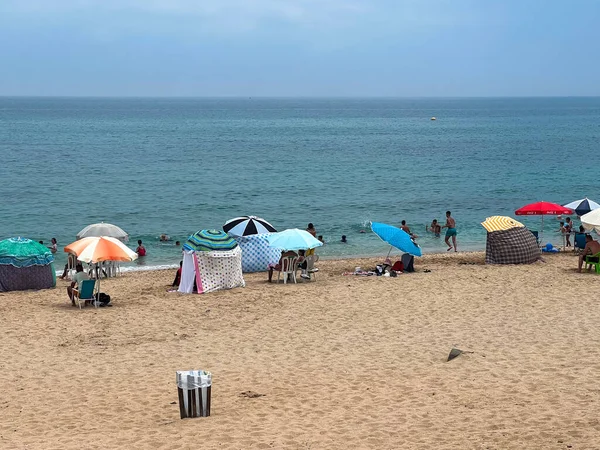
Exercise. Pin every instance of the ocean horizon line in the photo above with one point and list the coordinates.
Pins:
(301, 97)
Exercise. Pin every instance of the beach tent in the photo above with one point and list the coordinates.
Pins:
(25, 264)
(509, 242)
(212, 261)
(256, 252)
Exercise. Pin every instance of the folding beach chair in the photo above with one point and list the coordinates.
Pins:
(85, 293)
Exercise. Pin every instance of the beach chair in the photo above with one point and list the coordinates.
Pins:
(579, 243)
(311, 270)
(593, 260)
(289, 265)
(85, 293)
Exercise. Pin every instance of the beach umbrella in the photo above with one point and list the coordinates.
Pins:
(293, 239)
(98, 249)
(210, 240)
(591, 220)
(500, 223)
(247, 225)
(396, 238)
(103, 229)
(583, 206)
(543, 209)
(22, 252)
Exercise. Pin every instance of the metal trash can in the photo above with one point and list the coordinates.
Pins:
(193, 388)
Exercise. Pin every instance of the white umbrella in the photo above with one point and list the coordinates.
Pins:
(591, 220)
(103, 229)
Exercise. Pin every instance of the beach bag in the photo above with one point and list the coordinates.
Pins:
(102, 298)
(398, 266)
(408, 262)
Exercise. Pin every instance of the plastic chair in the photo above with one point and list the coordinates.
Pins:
(288, 268)
(595, 262)
(85, 293)
(311, 270)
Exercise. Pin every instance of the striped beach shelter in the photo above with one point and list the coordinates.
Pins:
(212, 261)
(509, 242)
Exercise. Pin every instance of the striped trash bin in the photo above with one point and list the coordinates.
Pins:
(193, 388)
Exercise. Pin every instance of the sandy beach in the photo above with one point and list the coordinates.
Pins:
(343, 362)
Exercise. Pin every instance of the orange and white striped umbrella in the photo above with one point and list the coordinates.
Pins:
(98, 249)
(500, 223)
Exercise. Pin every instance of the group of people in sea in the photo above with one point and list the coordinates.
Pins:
(436, 229)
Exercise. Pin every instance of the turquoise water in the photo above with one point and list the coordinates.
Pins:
(175, 166)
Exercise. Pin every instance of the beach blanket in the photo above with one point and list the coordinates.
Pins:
(514, 246)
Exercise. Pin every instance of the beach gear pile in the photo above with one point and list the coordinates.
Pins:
(509, 242)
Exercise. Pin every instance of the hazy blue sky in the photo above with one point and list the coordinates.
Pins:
(300, 47)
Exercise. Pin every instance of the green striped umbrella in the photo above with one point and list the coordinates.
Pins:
(210, 240)
(22, 252)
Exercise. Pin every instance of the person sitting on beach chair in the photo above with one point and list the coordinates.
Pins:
(592, 247)
(79, 276)
(279, 265)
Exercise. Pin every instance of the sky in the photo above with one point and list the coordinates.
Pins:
(307, 48)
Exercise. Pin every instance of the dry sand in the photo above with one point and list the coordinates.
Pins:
(343, 362)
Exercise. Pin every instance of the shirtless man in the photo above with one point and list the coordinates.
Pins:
(451, 231)
(405, 228)
(591, 248)
(435, 228)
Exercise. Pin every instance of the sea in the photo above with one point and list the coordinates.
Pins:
(179, 165)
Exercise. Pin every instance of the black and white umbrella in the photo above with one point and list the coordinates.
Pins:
(247, 225)
(583, 206)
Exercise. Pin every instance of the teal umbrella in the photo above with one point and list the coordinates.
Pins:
(293, 239)
(210, 240)
(396, 238)
(22, 252)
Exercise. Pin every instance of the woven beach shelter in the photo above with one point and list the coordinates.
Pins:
(509, 242)
(212, 261)
(25, 264)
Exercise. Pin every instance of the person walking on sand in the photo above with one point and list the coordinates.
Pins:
(451, 231)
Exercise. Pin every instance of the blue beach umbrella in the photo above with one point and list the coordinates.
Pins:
(396, 238)
(293, 239)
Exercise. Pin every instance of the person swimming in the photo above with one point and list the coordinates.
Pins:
(435, 228)
(164, 238)
(344, 239)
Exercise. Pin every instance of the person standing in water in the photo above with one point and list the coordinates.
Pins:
(140, 250)
(451, 231)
